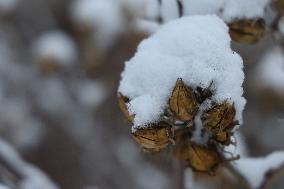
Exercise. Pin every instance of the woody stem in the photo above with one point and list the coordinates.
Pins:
(178, 174)
(237, 175)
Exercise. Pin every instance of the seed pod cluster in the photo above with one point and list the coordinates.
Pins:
(177, 127)
(247, 30)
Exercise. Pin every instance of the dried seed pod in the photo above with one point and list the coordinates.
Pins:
(247, 30)
(155, 137)
(203, 159)
(122, 100)
(223, 137)
(279, 5)
(219, 118)
(219, 121)
(199, 158)
(183, 102)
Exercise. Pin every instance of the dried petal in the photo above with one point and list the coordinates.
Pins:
(183, 102)
(247, 30)
(155, 137)
(122, 100)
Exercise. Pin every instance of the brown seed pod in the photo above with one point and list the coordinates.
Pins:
(183, 102)
(223, 137)
(247, 30)
(155, 137)
(199, 158)
(279, 5)
(122, 100)
(219, 120)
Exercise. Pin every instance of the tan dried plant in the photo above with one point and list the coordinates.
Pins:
(177, 127)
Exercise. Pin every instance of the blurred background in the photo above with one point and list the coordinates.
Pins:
(60, 66)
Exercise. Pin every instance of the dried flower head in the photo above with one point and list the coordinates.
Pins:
(200, 158)
(247, 30)
(279, 5)
(154, 138)
(122, 101)
(219, 121)
(183, 102)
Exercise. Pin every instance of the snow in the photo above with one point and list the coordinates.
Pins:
(3, 187)
(184, 48)
(152, 9)
(201, 7)
(104, 17)
(254, 169)
(55, 45)
(228, 10)
(91, 93)
(7, 6)
(271, 70)
(238, 9)
(169, 10)
(33, 178)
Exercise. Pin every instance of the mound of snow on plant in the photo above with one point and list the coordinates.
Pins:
(196, 49)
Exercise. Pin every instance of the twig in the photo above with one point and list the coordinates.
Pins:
(270, 175)
(242, 182)
(178, 174)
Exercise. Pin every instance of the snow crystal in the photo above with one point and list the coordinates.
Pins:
(196, 49)
(254, 169)
(103, 16)
(55, 45)
(271, 70)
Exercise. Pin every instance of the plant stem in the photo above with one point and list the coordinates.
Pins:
(178, 174)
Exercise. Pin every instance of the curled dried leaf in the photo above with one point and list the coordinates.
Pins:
(122, 101)
(183, 102)
(247, 30)
(219, 120)
(155, 137)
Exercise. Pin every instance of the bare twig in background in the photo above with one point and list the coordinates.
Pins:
(242, 182)
(270, 175)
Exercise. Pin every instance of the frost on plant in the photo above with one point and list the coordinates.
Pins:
(185, 77)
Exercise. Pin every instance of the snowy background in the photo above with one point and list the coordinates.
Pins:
(60, 69)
